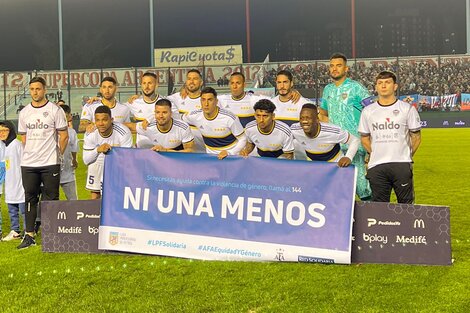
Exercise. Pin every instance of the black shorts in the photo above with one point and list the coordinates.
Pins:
(384, 177)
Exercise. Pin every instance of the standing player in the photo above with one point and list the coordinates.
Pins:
(43, 129)
(97, 143)
(189, 103)
(221, 130)
(390, 130)
(121, 112)
(287, 110)
(321, 141)
(238, 101)
(341, 105)
(166, 133)
(142, 108)
(67, 172)
(271, 138)
(192, 99)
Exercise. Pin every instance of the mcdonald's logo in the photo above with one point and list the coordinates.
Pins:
(61, 215)
(418, 223)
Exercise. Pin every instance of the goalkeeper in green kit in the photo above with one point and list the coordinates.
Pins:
(341, 104)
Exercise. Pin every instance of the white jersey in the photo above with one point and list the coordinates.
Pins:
(143, 110)
(119, 112)
(277, 141)
(14, 192)
(180, 106)
(389, 127)
(67, 173)
(178, 134)
(120, 137)
(223, 132)
(40, 125)
(288, 112)
(243, 108)
(325, 146)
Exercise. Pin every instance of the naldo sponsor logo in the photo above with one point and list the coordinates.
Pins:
(386, 125)
(374, 238)
(37, 125)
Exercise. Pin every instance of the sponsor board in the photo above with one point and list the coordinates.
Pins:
(70, 226)
(197, 56)
(401, 233)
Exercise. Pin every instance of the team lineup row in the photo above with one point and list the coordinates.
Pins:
(197, 119)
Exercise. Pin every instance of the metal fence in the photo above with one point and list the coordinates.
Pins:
(424, 75)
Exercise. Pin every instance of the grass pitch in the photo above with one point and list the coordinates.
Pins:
(33, 281)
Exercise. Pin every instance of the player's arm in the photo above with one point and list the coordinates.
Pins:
(132, 98)
(63, 140)
(188, 146)
(23, 139)
(323, 115)
(366, 142)
(90, 151)
(84, 124)
(288, 146)
(295, 96)
(288, 155)
(415, 141)
(249, 147)
(353, 145)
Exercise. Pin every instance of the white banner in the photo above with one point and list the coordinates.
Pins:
(198, 56)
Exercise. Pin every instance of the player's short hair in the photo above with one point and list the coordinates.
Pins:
(209, 90)
(149, 74)
(339, 55)
(265, 105)
(66, 108)
(193, 70)
(285, 73)
(60, 101)
(385, 75)
(108, 79)
(103, 109)
(38, 79)
(238, 74)
(163, 102)
(310, 106)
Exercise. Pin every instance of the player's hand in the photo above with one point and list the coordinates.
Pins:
(93, 99)
(183, 92)
(74, 164)
(344, 162)
(244, 153)
(132, 98)
(158, 148)
(104, 148)
(145, 123)
(90, 128)
(295, 96)
(222, 155)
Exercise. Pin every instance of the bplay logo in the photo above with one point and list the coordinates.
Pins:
(374, 238)
(93, 230)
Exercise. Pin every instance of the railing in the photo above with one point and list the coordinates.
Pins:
(424, 75)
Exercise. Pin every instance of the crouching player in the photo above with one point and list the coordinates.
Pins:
(321, 141)
(97, 143)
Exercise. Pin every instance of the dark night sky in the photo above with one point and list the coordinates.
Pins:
(115, 33)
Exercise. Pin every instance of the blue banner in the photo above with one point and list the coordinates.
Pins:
(261, 205)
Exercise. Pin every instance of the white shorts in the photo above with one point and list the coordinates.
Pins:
(94, 180)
